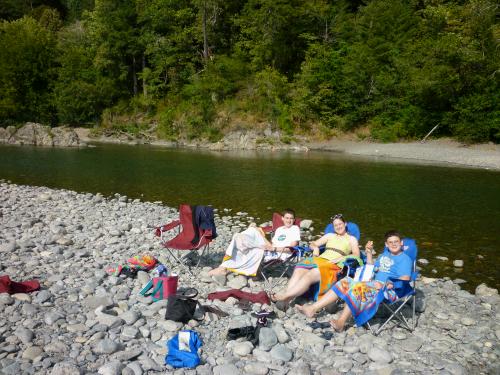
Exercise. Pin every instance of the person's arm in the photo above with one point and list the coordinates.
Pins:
(354, 246)
(369, 252)
(314, 245)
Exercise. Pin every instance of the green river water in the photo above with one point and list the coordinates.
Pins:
(450, 211)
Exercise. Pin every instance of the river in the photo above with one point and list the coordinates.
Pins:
(450, 211)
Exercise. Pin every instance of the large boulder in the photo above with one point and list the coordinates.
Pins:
(40, 135)
(65, 137)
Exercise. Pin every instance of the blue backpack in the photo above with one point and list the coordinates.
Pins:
(183, 350)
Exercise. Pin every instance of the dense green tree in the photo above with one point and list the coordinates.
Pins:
(26, 71)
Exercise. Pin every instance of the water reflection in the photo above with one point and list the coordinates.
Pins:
(450, 211)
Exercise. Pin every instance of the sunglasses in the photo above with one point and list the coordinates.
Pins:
(338, 216)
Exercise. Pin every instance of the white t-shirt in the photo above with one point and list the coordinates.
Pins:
(285, 236)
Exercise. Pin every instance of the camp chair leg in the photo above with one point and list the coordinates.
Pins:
(180, 261)
(205, 248)
(395, 314)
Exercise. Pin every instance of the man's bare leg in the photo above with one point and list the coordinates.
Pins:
(338, 325)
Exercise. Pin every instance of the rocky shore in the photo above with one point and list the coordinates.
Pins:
(441, 151)
(84, 321)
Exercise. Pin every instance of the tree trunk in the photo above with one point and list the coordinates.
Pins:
(134, 75)
(144, 85)
(205, 40)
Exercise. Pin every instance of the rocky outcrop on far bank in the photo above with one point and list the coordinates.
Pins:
(40, 135)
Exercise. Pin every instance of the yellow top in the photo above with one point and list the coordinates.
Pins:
(336, 242)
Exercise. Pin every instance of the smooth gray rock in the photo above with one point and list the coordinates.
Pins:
(32, 352)
(380, 355)
(243, 348)
(93, 302)
(24, 334)
(267, 338)
(129, 333)
(130, 317)
(107, 346)
(256, 368)
(228, 369)
(6, 299)
(52, 317)
(281, 352)
(111, 368)
(65, 368)
(42, 296)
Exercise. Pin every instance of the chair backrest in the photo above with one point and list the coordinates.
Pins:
(184, 240)
(352, 229)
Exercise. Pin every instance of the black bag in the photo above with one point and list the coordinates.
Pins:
(182, 305)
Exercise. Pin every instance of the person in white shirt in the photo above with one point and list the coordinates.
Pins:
(247, 249)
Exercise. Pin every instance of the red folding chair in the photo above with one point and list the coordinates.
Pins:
(184, 243)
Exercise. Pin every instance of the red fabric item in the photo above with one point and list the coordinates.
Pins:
(183, 240)
(260, 297)
(12, 287)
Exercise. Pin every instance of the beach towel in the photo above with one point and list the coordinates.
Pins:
(12, 287)
(260, 297)
(328, 274)
(362, 297)
(245, 252)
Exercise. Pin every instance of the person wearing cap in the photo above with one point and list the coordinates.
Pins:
(321, 269)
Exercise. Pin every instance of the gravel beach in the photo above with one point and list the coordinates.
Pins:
(84, 321)
(441, 151)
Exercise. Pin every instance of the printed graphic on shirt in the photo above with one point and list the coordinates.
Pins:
(385, 264)
(282, 237)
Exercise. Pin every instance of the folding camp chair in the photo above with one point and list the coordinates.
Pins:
(405, 291)
(282, 261)
(188, 239)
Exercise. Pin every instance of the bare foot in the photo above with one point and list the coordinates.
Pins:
(275, 297)
(217, 271)
(336, 325)
(307, 310)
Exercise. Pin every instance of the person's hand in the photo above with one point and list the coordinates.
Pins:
(369, 248)
(390, 285)
(268, 247)
(315, 252)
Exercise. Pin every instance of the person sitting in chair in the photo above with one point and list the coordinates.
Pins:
(361, 294)
(246, 250)
(321, 268)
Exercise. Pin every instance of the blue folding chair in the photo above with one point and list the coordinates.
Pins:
(405, 290)
(352, 229)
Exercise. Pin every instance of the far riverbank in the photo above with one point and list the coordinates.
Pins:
(440, 151)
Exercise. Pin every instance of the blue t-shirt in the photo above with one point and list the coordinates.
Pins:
(392, 266)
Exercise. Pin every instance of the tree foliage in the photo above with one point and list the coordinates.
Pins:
(399, 67)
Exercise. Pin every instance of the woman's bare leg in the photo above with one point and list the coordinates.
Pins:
(311, 310)
(299, 287)
(218, 271)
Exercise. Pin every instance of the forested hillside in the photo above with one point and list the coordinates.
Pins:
(389, 69)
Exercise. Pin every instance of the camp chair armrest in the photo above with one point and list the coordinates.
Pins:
(167, 227)
(397, 283)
